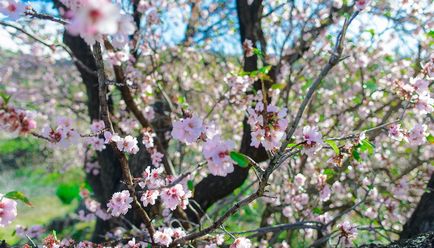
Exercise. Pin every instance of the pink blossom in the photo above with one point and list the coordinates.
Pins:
(120, 203)
(148, 139)
(163, 237)
(96, 18)
(362, 4)
(313, 140)
(156, 157)
(15, 120)
(12, 8)
(216, 152)
(417, 135)
(149, 197)
(96, 143)
(117, 58)
(64, 135)
(8, 210)
(152, 178)
(421, 86)
(187, 130)
(395, 132)
(241, 242)
(288, 212)
(97, 126)
(178, 233)
(348, 232)
(175, 196)
(269, 131)
(299, 180)
(424, 104)
(325, 193)
(127, 144)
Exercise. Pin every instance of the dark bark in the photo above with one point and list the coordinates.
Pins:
(106, 183)
(424, 240)
(422, 219)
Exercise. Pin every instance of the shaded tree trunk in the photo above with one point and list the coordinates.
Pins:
(422, 219)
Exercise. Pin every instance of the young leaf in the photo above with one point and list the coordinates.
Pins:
(240, 159)
(17, 195)
(291, 145)
(430, 138)
(356, 155)
(333, 145)
(367, 146)
(190, 185)
(5, 97)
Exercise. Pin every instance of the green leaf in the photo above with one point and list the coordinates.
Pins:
(291, 145)
(265, 69)
(67, 192)
(257, 52)
(371, 85)
(430, 34)
(278, 86)
(367, 146)
(190, 185)
(240, 159)
(317, 211)
(430, 138)
(17, 195)
(5, 97)
(333, 145)
(181, 99)
(371, 31)
(329, 172)
(356, 155)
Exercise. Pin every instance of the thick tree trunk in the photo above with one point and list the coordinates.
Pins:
(106, 182)
(424, 240)
(422, 219)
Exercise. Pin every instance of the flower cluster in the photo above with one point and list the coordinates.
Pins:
(148, 141)
(241, 243)
(166, 235)
(188, 130)
(120, 203)
(348, 233)
(63, 135)
(155, 185)
(15, 120)
(362, 4)
(12, 8)
(268, 124)
(312, 140)
(175, 196)
(416, 136)
(8, 211)
(238, 85)
(216, 152)
(92, 19)
(127, 144)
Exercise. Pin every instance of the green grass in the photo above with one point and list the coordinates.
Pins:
(41, 187)
(45, 208)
